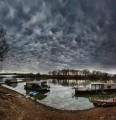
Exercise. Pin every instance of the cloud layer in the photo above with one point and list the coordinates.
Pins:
(53, 34)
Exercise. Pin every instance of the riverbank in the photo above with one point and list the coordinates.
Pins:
(14, 106)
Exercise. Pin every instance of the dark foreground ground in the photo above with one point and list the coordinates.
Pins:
(14, 106)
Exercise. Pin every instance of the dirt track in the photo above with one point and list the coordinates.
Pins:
(14, 106)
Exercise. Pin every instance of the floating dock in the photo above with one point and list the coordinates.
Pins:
(96, 88)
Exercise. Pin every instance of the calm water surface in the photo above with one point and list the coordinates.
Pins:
(61, 95)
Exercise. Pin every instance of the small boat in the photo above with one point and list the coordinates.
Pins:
(37, 86)
(104, 102)
(11, 80)
(96, 88)
(34, 94)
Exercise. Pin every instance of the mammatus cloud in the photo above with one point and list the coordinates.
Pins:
(54, 34)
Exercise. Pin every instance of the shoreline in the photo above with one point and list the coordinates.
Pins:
(46, 106)
(32, 110)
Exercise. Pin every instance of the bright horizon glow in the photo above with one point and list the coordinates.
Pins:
(7, 71)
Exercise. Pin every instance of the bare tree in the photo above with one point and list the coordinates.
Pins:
(3, 44)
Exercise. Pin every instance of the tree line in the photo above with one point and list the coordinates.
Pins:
(85, 73)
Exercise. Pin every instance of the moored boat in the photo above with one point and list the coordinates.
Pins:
(104, 101)
(37, 86)
(11, 80)
(96, 88)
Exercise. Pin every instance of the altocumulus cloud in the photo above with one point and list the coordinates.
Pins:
(53, 34)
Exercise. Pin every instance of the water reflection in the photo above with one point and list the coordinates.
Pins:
(61, 95)
(12, 84)
(41, 96)
(67, 82)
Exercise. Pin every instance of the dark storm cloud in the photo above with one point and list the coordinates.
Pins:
(53, 34)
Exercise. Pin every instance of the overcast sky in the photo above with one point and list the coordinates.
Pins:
(53, 34)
